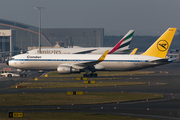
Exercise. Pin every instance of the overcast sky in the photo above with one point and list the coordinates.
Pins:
(117, 17)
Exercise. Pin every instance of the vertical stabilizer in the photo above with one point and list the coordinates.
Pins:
(162, 45)
(124, 42)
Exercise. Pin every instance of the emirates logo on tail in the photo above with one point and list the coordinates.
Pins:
(162, 45)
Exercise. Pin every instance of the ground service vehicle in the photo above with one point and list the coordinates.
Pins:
(12, 74)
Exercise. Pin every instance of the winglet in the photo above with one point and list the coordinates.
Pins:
(161, 45)
(134, 51)
(103, 56)
(124, 42)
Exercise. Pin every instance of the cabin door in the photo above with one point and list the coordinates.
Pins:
(135, 61)
(22, 60)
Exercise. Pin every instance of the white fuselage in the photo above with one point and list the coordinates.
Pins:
(111, 62)
(88, 50)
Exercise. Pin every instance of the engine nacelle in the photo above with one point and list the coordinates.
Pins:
(61, 69)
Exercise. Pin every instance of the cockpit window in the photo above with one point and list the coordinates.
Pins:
(12, 58)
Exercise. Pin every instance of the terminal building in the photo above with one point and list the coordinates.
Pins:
(16, 36)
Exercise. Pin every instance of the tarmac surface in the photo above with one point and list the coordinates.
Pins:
(165, 81)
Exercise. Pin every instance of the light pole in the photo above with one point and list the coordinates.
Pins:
(39, 27)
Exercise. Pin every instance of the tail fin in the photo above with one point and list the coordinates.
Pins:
(124, 42)
(161, 46)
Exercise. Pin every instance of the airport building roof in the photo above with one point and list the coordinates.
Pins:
(25, 35)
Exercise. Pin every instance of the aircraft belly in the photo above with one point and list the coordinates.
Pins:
(121, 66)
(124, 66)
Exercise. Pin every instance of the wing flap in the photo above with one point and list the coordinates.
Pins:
(89, 64)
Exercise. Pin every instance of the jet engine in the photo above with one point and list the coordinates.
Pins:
(61, 69)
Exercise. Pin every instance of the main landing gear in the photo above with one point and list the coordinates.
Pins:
(91, 74)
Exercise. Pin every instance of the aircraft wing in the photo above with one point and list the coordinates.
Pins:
(85, 52)
(134, 51)
(126, 51)
(89, 64)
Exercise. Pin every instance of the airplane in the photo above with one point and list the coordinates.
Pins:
(121, 47)
(155, 55)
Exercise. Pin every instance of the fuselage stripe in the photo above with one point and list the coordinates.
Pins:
(77, 60)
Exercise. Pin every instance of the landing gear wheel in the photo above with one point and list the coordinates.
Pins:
(95, 75)
(90, 75)
(85, 75)
(9, 75)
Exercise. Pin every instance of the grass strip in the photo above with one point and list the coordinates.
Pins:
(101, 73)
(31, 99)
(70, 116)
(74, 79)
(74, 85)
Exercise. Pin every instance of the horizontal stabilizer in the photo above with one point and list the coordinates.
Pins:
(160, 60)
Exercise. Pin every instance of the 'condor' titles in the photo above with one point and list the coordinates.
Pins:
(34, 56)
